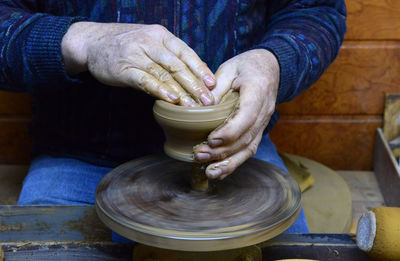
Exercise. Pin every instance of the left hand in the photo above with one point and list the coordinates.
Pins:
(255, 74)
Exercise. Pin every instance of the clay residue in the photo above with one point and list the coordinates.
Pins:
(198, 177)
(90, 226)
(4, 227)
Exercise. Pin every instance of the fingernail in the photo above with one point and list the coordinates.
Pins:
(205, 99)
(172, 96)
(215, 142)
(201, 156)
(209, 81)
(214, 173)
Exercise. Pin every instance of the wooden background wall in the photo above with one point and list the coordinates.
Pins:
(333, 122)
(15, 115)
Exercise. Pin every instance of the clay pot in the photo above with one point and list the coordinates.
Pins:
(186, 127)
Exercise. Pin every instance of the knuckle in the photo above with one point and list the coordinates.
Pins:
(158, 28)
(158, 72)
(270, 108)
(186, 52)
(228, 135)
(223, 66)
(248, 138)
(143, 83)
(224, 165)
(202, 68)
(151, 68)
(252, 149)
(144, 40)
(177, 68)
(200, 89)
(164, 76)
(256, 131)
(221, 155)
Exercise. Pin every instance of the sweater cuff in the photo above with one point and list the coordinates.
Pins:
(43, 49)
(287, 59)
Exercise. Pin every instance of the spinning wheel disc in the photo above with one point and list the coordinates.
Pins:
(150, 201)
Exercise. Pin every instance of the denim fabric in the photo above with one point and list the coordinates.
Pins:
(65, 181)
(60, 181)
(267, 151)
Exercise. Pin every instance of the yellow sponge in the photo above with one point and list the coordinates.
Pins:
(378, 233)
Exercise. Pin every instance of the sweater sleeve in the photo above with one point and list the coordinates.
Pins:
(30, 46)
(305, 36)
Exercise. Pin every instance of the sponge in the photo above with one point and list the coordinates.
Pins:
(378, 233)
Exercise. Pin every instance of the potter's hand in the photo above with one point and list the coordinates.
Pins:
(146, 57)
(255, 74)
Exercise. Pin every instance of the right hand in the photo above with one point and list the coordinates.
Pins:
(146, 57)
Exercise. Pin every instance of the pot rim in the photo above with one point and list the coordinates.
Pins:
(174, 112)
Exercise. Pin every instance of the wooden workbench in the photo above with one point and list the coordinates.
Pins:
(75, 233)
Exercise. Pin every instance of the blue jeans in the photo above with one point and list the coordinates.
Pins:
(65, 181)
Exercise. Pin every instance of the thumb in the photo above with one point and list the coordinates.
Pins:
(225, 75)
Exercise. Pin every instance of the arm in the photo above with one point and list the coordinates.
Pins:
(40, 51)
(30, 46)
(303, 38)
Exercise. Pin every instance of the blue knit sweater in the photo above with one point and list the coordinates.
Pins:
(82, 118)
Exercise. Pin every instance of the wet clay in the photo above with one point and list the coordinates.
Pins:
(198, 178)
(186, 127)
(153, 196)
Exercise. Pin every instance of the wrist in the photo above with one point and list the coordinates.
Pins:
(267, 63)
(74, 47)
(268, 58)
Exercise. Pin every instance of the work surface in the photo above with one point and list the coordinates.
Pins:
(75, 233)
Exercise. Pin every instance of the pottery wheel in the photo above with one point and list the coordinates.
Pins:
(150, 201)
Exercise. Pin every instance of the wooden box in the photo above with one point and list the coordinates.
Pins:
(387, 170)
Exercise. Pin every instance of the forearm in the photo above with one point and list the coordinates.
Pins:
(31, 48)
(305, 38)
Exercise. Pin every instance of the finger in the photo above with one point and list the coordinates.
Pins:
(244, 116)
(164, 76)
(188, 101)
(149, 84)
(205, 153)
(191, 59)
(181, 73)
(225, 76)
(226, 167)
